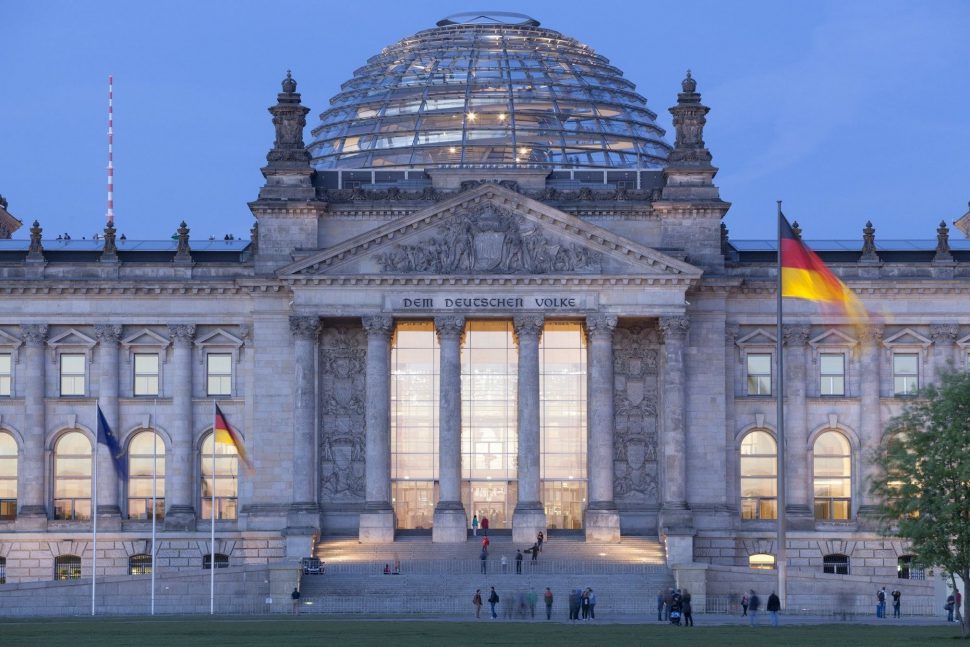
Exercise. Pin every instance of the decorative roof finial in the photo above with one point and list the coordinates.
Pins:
(110, 248)
(183, 254)
(943, 243)
(689, 84)
(36, 250)
(869, 243)
(795, 229)
(289, 83)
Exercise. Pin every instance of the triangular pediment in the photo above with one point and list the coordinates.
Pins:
(759, 337)
(219, 337)
(145, 337)
(9, 340)
(490, 230)
(907, 337)
(71, 337)
(833, 337)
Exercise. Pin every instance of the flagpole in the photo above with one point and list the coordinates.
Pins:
(781, 559)
(154, 491)
(212, 516)
(94, 514)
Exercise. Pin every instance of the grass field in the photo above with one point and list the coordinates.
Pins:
(280, 632)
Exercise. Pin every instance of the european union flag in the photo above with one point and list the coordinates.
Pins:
(107, 438)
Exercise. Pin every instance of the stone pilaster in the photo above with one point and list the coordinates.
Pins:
(180, 514)
(304, 518)
(529, 516)
(675, 516)
(109, 368)
(870, 420)
(377, 519)
(944, 336)
(798, 375)
(602, 521)
(450, 522)
(33, 500)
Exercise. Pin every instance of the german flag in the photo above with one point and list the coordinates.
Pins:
(805, 276)
(226, 435)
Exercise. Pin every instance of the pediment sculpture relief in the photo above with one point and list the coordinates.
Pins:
(492, 240)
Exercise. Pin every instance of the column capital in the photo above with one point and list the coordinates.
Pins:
(182, 333)
(944, 333)
(378, 325)
(871, 334)
(34, 333)
(449, 326)
(600, 324)
(108, 333)
(528, 325)
(674, 328)
(795, 334)
(303, 327)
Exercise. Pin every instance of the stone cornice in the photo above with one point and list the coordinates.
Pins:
(559, 280)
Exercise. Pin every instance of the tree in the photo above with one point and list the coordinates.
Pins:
(925, 484)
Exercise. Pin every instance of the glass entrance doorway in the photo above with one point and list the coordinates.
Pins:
(493, 499)
(564, 502)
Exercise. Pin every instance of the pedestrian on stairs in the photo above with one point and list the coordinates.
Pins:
(477, 602)
(484, 525)
(475, 526)
(547, 597)
(505, 565)
(492, 601)
(484, 558)
(535, 552)
(539, 539)
(485, 542)
(518, 561)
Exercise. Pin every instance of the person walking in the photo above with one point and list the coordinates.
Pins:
(475, 526)
(660, 605)
(881, 603)
(592, 604)
(535, 552)
(486, 542)
(532, 598)
(295, 596)
(484, 524)
(518, 562)
(492, 601)
(484, 558)
(686, 610)
(547, 598)
(744, 604)
(477, 602)
(754, 604)
(896, 595)
(773, 607)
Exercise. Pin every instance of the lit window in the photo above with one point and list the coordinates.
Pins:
(8, 477)
(759, 476)
(140, 565)
(222, 561)
(146, 374)
(6, 374)
(218, 374)
(832, 370)
(759, 374)
(146, 452)
(905, 374)
(67, 567)
(835, 564)
(226, 463)
(907, 570)
(72, 477)
(72, 374)
(762, 561)
(833, 477)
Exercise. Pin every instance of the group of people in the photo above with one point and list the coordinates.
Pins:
(881, 602)
(673, 605)
(750, 602)
(582, 602)
(519, 557)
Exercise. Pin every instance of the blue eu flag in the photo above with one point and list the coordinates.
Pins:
(107, 438)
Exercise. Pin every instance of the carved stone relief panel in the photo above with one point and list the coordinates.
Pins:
(343, 356)
(636, 349)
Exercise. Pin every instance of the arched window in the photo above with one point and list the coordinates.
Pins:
(836, 564)
(761, 561)
(146, 451)
(8, 477)
(67, 567)
(833, 476)
(222, 561)
(140, 564)
(907, 570)
(759, 476)
(225, 477)
(72, 477)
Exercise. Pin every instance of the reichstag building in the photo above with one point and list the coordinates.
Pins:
(484, 282)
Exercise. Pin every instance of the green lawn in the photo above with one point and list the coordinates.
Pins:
(279, 632)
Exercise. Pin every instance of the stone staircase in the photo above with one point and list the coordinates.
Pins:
(441, 578)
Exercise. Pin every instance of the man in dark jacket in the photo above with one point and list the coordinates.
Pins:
(754, 605)
(518, 562)
(492, 601)
(774, 606)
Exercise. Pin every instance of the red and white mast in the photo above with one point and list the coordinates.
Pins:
(110, 217)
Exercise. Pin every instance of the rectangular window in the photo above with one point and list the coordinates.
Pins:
(218, 373)
(72, 374)
(832, 371)
(146, 374)
(759, 374)
(905, 374)
(6, 373)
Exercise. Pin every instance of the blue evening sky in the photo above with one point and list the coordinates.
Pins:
(846, 110)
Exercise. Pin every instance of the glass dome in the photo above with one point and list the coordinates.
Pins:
(488, 90)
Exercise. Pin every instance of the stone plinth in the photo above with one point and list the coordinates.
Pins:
(602, 525)
(680, 549)
(450, 525)
(526, 524)
(376, 527)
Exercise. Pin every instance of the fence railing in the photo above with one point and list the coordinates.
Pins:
(494, 567)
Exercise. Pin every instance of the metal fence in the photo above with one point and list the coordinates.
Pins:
(494, 567)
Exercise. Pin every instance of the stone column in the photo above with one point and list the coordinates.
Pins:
(944, 336)
(108, 336)
(304, 515)
(602, 522)
(675, 516)
(377, 519)
(450, 522)
(530, 516)
(180, 514)
(799, 372)
(870, 419)
(33, 500)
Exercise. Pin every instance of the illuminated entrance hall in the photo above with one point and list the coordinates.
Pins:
(490, 449)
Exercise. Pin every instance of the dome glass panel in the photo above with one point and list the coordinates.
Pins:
(484, 90)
